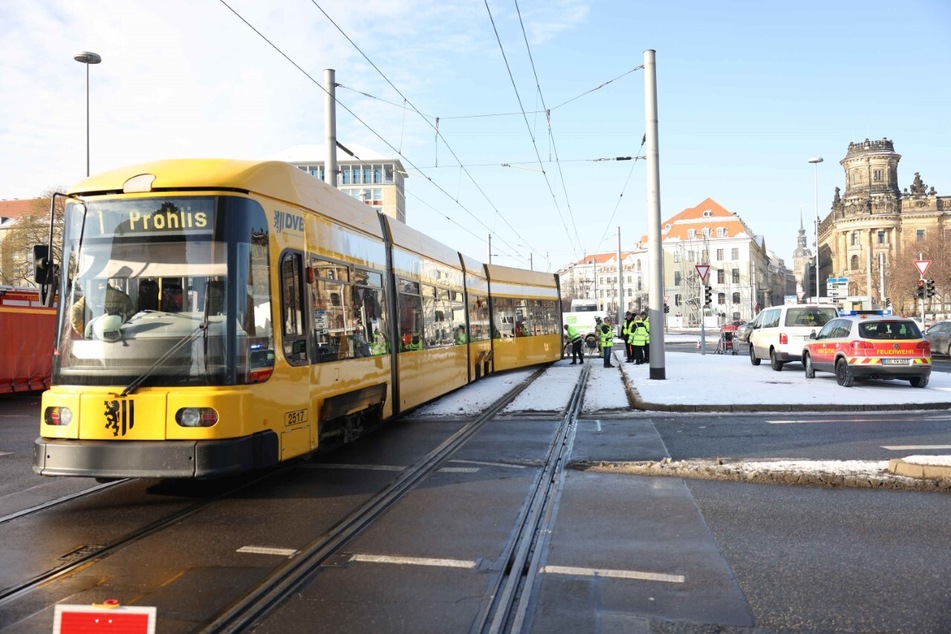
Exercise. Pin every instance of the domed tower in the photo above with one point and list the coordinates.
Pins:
(865, 222)
(871, 178)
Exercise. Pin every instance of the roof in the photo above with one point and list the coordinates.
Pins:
(707, 215)
(19, 208)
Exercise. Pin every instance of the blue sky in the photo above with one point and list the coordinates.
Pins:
(747, 93)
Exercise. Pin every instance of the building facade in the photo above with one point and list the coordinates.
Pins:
(743, 275)
(365, 175)
(875, 231)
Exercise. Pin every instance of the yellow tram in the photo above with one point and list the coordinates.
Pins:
(223, 315)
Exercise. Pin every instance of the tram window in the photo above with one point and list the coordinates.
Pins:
(503, 318)
(410, 316)
(295, 342)
(478, 318)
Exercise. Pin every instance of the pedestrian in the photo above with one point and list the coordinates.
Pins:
(105, 300)
(638, 339)
(360, 346)
(576, 341)
(461, 337)
(647, 345)
(607, 340)
(626, 336)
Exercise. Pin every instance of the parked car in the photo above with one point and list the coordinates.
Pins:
(742, 332)
(939, 336)
(867, 346)
(779, 332)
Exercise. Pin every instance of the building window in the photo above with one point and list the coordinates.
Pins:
(721, 276)
(721, 232)
(676, 257)
(676, 280)
(736, 276)
(854, 263)
(706, 232)
(877, 176)
(919, 235)
(855, 238)
(691, 234)
(721, 298)
(735, 253)
(678, 300)
(736, 298)
(719, 255)
(881, 237)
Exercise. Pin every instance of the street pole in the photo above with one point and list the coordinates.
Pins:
(87, 58)
(655, 248)
(330, 127)
(815, 161)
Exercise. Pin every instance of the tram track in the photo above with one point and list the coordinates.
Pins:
(507, 607)
(271, 592)
(85, 556)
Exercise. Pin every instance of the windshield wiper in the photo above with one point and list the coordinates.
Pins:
(184, 341)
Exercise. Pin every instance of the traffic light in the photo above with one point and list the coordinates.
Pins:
(707, 295)
(666, 309)
(888, 302)
(931, 290)
(920, 291)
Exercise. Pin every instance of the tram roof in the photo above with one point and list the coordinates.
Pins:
(274, 179)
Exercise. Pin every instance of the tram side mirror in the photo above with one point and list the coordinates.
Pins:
(42, 267)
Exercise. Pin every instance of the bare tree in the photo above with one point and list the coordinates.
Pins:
(16, 252)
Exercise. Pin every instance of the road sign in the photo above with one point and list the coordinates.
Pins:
(703, 269)
(107, 617)
(922, 266)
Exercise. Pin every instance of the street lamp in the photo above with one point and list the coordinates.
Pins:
(815, 161)
(87, 58)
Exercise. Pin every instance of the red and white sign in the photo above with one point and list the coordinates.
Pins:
(922, 266)
(108, 617)
(703, 269)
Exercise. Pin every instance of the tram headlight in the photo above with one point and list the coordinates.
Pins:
(58, 416)
(196, 417)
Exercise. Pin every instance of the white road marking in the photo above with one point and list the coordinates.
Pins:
(491, 464)
(914, 447)
(459, 470)
(265, 550)
(615, 574)
(414, 561)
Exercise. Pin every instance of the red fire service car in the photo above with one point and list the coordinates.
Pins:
(869, 346)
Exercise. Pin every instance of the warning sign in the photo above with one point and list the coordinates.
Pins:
(107, 618)
(702, 270)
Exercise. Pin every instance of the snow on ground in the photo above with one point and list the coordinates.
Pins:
(693, 379)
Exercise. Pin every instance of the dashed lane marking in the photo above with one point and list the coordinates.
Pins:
(265, 550)
(491, 464)
(914, 447)
(414, 561)
(367, 467)
(615, 574)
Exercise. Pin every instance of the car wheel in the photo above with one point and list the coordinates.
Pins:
(842, 375)
(807, 365)
(753, 358)
(918, 381)
(775, 363)
(949, 349)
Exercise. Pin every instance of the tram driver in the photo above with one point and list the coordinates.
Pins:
(104, 300)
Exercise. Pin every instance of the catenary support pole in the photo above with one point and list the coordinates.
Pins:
(330, 127)
(655, 251)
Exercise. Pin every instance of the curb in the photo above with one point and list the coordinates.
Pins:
(783, 407)
(915, 470)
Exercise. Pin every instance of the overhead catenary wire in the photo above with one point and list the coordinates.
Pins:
(384, 141)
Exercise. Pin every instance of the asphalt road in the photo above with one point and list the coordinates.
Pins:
(710, 555)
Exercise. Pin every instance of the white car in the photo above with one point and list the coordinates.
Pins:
(778, 333)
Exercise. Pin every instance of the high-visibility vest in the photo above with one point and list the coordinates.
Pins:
(639, 336)
(573, 334)
(607, 336)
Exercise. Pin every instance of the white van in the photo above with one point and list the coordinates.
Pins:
(778, 333)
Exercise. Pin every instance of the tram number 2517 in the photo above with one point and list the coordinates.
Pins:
(295, 418)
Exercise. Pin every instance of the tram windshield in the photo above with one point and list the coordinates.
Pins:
(165, 291)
